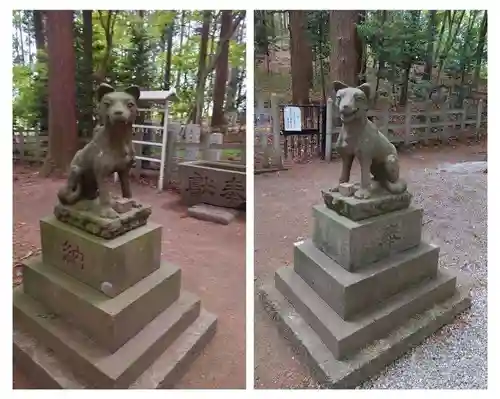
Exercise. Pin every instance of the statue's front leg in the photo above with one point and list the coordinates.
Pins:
(105, 209)
(124, 176)
(345, 174)
(364, 191)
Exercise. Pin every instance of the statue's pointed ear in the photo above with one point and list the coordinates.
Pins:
(103, 89)
(367, 89)
(339, 85)
(134, 91)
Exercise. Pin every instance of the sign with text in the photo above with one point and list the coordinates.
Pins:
(292, 119)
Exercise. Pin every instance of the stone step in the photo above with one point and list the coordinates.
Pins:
(350, 293)
(47, 371)
(110, 322)
(356, 244)
(110, 266)
(88, 361)
(345, 338)
(330, 372)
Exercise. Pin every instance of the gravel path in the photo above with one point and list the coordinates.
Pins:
(454, 199)
(456, 356)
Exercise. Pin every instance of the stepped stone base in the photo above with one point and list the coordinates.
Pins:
(349, 372)
(46, 371)
(62, 356)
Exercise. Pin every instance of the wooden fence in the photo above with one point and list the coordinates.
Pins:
(183, 144)
(417, 123)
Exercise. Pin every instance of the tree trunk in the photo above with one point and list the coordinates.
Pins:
(381, 61)
(221, 71)
(232, 88)
(200, 83)
(88, 111)
(169, 31)
(344, 57)
(431, 34)
(360, 50)
(178, 78)
(452, 36)
(403, 99)
(480, 48)
(43, 110)
(63, 135)
(300, 58)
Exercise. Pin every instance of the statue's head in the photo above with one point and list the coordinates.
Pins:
(117, 106)
(352, 102)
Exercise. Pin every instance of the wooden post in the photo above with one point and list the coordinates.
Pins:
(428, 121)
(168, 150)
(479, 116)
(462, 136)
(384, 101)
(243, 157)
(329, 130)
(275, 112)
(37, 153)
(444, 121)
(20, 147)
(407, 124)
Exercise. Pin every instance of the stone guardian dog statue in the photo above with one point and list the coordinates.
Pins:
(109, 151)
(360, 138)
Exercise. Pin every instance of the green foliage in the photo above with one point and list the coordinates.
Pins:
(137, 56)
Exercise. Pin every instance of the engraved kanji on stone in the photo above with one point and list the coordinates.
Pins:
(234, 191)
(199, 185)
(72, 255)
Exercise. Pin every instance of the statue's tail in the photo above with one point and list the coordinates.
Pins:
(69, 197)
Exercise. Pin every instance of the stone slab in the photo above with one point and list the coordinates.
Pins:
(349, 373)
(357, 244)
(45, 371)
(350, 293)
(110, 266)
(212, 213)
(88, 361)
(344, 338)
(352, 208)
(82, 215)
(214, 183)
(110, 322)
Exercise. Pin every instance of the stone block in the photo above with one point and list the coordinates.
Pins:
(214, 183)
(46, 371)
(110, 322)
(345, 338)
(348, 373)
(351, 293)
(110, 266)
(352, 208)
(83, 215)
(347, 189)
(90, 363)
(212, 213)
(356, 244)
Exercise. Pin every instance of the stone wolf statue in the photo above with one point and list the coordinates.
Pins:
(110, 150)
(360, 138)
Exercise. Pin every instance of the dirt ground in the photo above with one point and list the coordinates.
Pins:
(283, 204)
(211, 256)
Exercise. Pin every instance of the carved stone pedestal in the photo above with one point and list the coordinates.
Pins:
(362, 292)
(105, 313)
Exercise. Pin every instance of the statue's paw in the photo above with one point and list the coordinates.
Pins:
(362, 193)
(108, 213)
(334, 189)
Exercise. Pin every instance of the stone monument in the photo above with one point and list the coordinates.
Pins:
(365, 288)
(99, 308)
